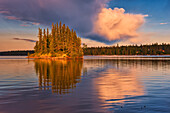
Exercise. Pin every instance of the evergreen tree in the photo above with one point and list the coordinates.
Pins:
(40, 41)
(48, 41)
(36, 47)
(45, 42)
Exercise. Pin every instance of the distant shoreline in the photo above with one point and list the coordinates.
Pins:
(25, 53)
(129, 56)
(97, 56)
(16, 53)
(53, 57)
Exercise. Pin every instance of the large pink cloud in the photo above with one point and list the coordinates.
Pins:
(115, 24)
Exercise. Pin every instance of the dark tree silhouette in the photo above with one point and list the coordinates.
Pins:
(153, 49)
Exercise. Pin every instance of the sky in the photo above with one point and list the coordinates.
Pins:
(97, 22)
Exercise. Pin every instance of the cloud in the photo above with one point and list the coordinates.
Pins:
(28, 40)
(103, 39)
(78, 14)
(89, 18)
(25, 25)
(4, 12)
(163, 23)
(12, 18)
(34, 23)
(115, 24)
(146, 15)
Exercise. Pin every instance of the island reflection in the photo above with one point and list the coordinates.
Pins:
(58, 75)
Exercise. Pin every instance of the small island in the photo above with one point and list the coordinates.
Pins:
(61, 42)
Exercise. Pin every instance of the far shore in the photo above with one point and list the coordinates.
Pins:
(107, 56)
(54, 57)
(138, 56)
(103, 55)
(127, 55)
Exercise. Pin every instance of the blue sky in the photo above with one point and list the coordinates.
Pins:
(158, 10)
(21, 19)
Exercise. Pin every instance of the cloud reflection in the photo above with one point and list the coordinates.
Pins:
(115, 85)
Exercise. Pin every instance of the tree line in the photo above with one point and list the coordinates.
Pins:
(153, 49)
(16, 53)
(60, 41)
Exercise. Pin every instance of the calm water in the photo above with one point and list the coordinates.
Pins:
(106, 85)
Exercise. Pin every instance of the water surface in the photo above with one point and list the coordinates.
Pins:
(106, 85)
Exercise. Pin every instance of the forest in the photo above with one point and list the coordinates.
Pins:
(61, 42)
(152, 49)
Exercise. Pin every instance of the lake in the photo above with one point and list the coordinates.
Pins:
(97, 84)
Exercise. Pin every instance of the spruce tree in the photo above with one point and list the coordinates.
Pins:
(40, 41)
(48, 41)
(45, 42)
(36, 47)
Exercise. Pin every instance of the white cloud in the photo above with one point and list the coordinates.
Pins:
(163, 23)
(115, 24)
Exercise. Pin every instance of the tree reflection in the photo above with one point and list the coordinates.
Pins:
(58, 75)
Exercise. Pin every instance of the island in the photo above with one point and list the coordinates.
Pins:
(61, 42)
